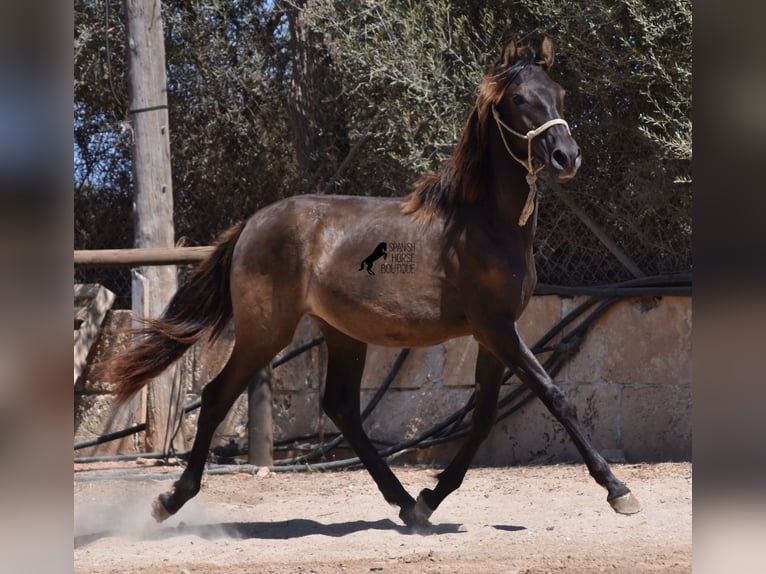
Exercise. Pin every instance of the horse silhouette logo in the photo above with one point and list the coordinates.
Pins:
(380, 251)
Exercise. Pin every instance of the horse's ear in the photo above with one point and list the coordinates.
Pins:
(508, 55)
(546, 52)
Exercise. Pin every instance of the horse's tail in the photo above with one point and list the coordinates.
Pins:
(201, 305)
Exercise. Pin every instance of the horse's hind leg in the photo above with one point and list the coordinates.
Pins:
(345, 365)
(217, 398)
(489, 374)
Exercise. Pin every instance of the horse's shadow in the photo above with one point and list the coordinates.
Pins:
(298, 528)
(280, 530)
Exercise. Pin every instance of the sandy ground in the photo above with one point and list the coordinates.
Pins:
(520, 519)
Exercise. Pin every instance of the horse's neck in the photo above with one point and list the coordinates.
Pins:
(509, 191)
(508, 181)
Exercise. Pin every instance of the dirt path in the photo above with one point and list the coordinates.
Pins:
(521, 519)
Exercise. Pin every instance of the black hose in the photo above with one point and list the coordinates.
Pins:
(109, 437)
(122, 457)
(297, 351)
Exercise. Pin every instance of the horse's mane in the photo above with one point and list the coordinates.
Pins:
(463, 177)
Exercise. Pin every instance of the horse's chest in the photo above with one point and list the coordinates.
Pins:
(501, 281)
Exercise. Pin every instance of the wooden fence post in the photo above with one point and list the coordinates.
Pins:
(153, 189)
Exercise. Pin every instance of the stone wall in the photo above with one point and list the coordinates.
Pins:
(630, 381)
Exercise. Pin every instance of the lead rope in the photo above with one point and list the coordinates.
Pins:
(529, 204)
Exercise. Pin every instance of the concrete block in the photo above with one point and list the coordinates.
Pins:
(305, 371)
(298, 413)
(533, 435)
(234, 426)
(112, 337)
(95, 415)
(460, 362)
(91, 304)
(421, 367)
(542, 313)
(404, 414)
(657, 422)
(204, 360)
(637, 341)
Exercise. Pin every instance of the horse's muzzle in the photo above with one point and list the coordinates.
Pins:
(565, 159)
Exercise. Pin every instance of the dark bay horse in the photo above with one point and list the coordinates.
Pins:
(460, 263)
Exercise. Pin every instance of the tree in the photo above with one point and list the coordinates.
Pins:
(270, 99)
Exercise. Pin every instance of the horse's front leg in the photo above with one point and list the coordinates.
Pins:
(509, 347)
(489, 374)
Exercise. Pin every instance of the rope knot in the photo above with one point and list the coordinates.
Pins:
(529, 204)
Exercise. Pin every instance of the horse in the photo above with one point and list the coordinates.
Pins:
(378, 252)
(470, 229)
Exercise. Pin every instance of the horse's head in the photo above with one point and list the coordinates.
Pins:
(527, 106)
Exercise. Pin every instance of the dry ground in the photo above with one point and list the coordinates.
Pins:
(520, 519)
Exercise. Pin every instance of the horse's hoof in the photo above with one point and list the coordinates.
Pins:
(159, 511)
(416, 517)
(422, 510)
(625, 504)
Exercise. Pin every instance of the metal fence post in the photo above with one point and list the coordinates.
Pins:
(260, 431)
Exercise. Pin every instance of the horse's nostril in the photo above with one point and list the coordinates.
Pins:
(560, 159)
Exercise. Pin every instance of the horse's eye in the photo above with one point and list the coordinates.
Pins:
(518, 99)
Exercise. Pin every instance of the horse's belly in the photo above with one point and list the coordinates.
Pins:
(388, 332)
(416, 334)
(397, 318)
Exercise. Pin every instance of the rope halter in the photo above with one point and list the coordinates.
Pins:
(529, 205)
